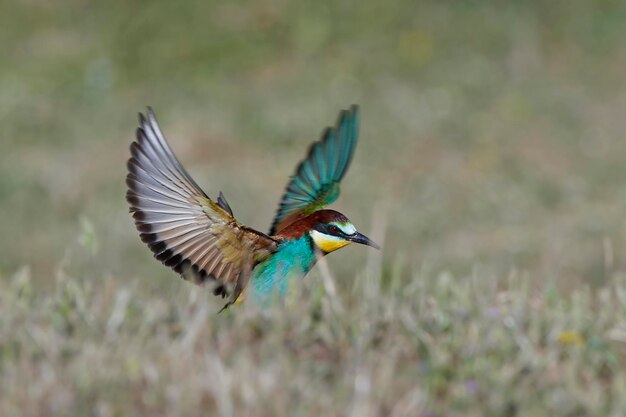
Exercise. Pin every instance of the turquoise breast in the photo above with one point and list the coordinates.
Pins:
(292, 261)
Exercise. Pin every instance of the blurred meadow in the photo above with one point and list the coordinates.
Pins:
(491, 167)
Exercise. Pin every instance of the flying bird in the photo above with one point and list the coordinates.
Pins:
(200, 238)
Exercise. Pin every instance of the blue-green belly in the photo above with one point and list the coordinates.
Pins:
(292, 261)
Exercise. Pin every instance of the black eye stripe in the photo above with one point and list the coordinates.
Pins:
(331, 229)
(337, 231)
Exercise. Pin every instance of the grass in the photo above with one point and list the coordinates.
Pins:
(491, 162)
(398, 342)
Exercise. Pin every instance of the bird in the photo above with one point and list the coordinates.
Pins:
(200, 238)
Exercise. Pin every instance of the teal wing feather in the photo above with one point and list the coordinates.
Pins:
(315, 183)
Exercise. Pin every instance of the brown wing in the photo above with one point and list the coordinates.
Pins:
(182, 226)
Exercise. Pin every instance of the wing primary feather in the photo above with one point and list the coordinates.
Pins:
(147, 164)
(166, 168)
(157, 140)
(314, 175)
(309, 174)
(149, 201)
(164, 227)
(204, 257)
(147, 188)
(141, 218)
(213, 252)
(329, 145)
(154, 155)
(176, 244)
(319, 163)
(154, 125)
(174, 233)
(298, 186)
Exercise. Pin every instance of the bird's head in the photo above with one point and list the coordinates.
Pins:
(331, 230)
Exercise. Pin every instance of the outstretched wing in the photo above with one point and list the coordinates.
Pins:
(316, 181)
(184, 228)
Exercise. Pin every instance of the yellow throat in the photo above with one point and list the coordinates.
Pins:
(328, 243)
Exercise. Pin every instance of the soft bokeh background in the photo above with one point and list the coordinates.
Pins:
(492, 160)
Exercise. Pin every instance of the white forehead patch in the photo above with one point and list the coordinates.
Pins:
(347, 228)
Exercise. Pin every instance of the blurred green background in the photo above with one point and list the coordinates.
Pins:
(492, 138)
(494, 132)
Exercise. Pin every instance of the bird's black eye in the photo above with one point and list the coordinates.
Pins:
(334, 229)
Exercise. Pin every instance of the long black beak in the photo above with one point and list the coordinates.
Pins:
(362, 239)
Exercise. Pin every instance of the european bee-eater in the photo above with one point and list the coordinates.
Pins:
(201, 239)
